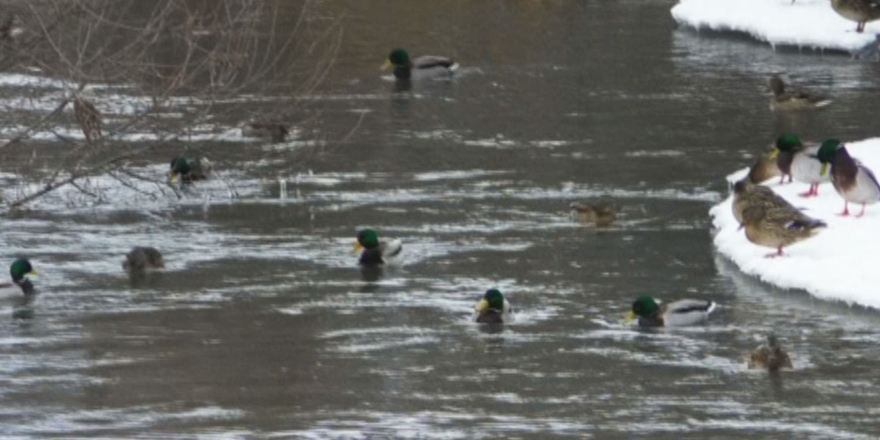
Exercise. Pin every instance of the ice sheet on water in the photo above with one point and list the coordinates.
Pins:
(806, 23)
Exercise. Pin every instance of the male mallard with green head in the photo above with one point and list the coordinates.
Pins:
(746, 194)
(373, 250)
(799, 163)
(142, 258)
(859, 11)
(778, 226)
(599, 214)
(684, 312)
(797, 100)
(854, 181)
(770, 356)
(493, 309)
(426, 66)
(22, 273)
(189, 169)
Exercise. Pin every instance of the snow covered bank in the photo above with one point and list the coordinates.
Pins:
(806, 23)
(841, 263)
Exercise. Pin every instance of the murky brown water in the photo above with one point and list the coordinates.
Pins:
(262, 326)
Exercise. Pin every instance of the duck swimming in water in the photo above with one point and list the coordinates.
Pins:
(493, 309)
(650, 313)
(373, 250)
(427, 66)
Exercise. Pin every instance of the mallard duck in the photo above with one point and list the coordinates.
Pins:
(783, 100)
(189, 169)
(746, 194)
(426, 66)
(373, 250)
(277, 132)
(777, 226)
(763, 169)
(599, 214)
(859, 11)
(22, 273)
(493, 309)
(770, 356)
(854, 181)
(88, 117)
(651, 313)
(799, 163)
(142, 258)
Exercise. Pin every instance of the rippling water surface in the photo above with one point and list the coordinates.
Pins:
(263, 327)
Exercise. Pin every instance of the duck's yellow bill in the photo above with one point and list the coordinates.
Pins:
(482, 306)
(773, 154)
(33, 275)
(172, 178)
(387, 65)
(357, 248)
(631, 317)
(824, 170)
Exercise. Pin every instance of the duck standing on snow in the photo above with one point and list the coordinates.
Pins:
(854, 181)
(22, 273)
(746, 194)
(859, 11)
(142, 258)
(493, 309)
(599, 214)
(427, 66)
(764, 169)
(783, 101)
(770, 356)
(189, 169)
(799, 163)
(373, 250)
(679, 313)
(778, 226)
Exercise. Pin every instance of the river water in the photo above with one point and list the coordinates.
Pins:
(263, 327)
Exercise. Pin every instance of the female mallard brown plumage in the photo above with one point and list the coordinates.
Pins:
(277, 132)
(854, 181)
(426, 66)
(88, 117)
(770, 356)
(599, 214)
(799, 163)
(763, 169)
(777, 226)
(746, 194)
(797, 100)
(142, 258)
(683, 312)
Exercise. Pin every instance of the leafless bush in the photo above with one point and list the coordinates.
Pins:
(160, 67)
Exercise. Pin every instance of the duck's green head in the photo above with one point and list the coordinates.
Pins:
(20, 269)
(786, 143)
(827, 152)
(492, 299)
(644, 306)
(366, 239)
(397, 57)
(179, 165)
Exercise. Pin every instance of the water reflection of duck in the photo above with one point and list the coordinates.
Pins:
(599, 214)
(797, 100)
(426, 66)
(493, 309)
(770, 356)
(373, 250)
(683, 312)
